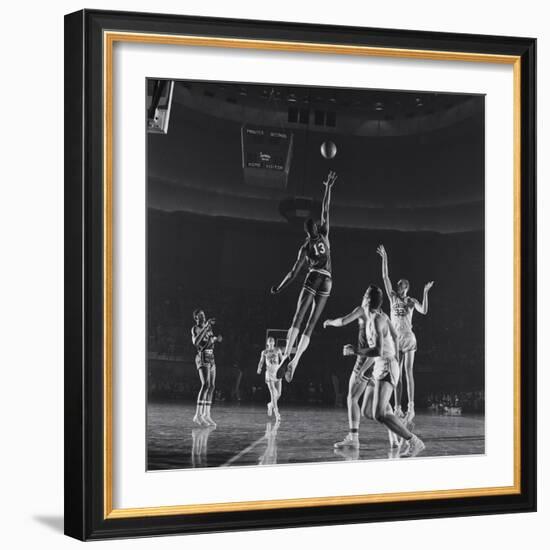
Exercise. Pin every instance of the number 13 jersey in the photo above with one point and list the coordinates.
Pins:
(318, 254)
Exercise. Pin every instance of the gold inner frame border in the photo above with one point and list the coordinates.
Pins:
(109, 40)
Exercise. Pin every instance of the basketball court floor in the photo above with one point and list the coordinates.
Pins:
(246, 436)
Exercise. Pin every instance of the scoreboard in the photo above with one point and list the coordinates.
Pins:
(266, 155)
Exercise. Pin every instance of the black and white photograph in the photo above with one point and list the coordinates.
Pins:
(315, 274)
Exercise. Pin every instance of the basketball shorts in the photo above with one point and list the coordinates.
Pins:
(318, 284)
(271, 375)
(363, 368)
(406, 341)
(386, 370)
(205, 359)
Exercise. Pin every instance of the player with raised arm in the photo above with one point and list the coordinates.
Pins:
(270, 359)
(203, 339)
(402, 309)
(359, 377)
(381, 346)
(315, 254)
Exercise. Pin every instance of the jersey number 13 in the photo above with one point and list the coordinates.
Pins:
(319, 249)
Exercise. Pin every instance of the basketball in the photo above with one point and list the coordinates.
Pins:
(328, 149)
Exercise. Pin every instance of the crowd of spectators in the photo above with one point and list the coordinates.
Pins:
(229, 269)
(243, 318)
(456, 403)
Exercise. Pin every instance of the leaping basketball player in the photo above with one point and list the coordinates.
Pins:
(380, 346)
(315, 253)
(402, 309)
(203, 339)
(271, 358)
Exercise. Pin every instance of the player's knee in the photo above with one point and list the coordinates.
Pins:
(380, 415)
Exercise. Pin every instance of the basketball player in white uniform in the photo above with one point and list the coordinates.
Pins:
(381, 346)
(315, 253)
(359, 377)
(271, 358)
(402, 309)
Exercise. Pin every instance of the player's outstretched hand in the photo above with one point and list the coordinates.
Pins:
(331, 179)
(219, 338)
(382, 251)
(274, 289)
(327, 323)
(427, 286)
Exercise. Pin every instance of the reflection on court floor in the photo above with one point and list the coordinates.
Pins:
(246, 436)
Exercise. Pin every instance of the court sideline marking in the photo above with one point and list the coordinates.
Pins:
(243, 452)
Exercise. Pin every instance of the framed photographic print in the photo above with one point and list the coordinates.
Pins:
(300, 274)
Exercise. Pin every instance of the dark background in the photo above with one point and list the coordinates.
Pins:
(411, 176)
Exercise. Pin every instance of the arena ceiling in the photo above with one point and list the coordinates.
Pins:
(406, 160)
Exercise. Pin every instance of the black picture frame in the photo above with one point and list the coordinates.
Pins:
(85, 493)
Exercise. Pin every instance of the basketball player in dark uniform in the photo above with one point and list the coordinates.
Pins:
(203, 339)
(315, 254)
